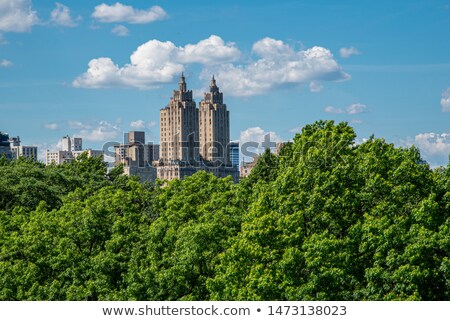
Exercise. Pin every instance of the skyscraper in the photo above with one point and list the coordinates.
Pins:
(214, 127)
(234, 154)
(179, 127)
(194, 138)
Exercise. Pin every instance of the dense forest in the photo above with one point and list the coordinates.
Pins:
(326, 219)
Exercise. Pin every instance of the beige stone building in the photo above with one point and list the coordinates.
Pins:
(214, 127)
(137, 156)
(179, 127)
(194, 139)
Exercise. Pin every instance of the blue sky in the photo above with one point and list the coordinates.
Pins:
(97, 69)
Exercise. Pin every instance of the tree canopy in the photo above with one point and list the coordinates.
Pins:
(325, 219)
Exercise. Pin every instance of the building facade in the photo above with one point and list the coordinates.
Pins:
(179, 127)
(71, 148)
(214, 127)
(5, 149)
(136, 156)
(194, 139)
(11, 148)
(234, 154)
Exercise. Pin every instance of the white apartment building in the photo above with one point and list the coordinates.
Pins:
(29, 152)
(72, 147)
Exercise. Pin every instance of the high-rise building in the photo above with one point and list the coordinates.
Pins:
(234, 154)
(179, 127)
(195, 139)
(214, 127)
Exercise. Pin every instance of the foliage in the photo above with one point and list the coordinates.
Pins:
(326, 219)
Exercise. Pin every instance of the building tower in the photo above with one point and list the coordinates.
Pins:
(179, 127)
(214, 127)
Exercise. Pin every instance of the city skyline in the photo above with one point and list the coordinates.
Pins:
(97, 70)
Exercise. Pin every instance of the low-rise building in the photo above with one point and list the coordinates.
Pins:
(72, 147)
(136, 156)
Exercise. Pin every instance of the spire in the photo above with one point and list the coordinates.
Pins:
(182, 83)
(213, 82)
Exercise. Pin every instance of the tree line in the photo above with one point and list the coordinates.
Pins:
(325, 219)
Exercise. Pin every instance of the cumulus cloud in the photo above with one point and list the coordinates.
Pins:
(434, 147)
(445, 100)
(315, 87)
(101, 131)
(255, 140)
(140, 124)
(348, 52)
(5, 63)
(122, 13)
(154, 63)
(209, 52)
(355, 109)
(351, 109)
(61, 16)
(279, 65)
(120, 31)
(17, 16)
(51, 126)
(137, 124)
(334, 110)
(272, 48)
(257, 134)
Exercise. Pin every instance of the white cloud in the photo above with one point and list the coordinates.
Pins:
(445, 100)
(5, 63)
(356, 121)
(154, 63)
(348, 52)
(17, 16)
(352, 109)
(140, 124)
(355, 109)
(279, 65)
(120, 31)
(61, 16)
(74, 124)
(434, 147)
(334, 110)
(272, 48)
(315, 87)
(102, 131)
(209, 52)
(256, 135)
(122, 13)
(51, 126)
(137, 124)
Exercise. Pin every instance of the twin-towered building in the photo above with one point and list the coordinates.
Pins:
(195, 138)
